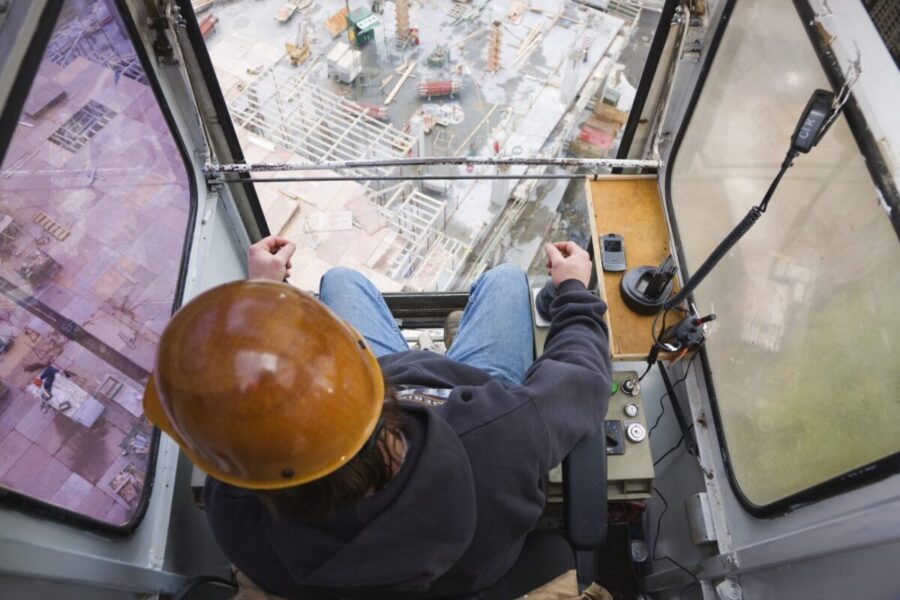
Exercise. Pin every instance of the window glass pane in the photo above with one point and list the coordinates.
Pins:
(94, 203)
(804, 354)
(560, 82)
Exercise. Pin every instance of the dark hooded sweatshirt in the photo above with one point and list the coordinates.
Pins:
(453, 520)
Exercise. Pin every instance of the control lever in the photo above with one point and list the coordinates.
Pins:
(549, 292)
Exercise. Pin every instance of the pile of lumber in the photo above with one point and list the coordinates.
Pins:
(336, 23)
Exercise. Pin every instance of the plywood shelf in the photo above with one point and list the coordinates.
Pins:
(629, 205)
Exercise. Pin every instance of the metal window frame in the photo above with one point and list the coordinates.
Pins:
(865, 474)
(18, 92)
(8, 120)
(247, 201)
(654, 55)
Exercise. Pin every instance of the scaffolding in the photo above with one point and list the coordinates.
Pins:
(99, 40)
(295, 113)
(423, 252)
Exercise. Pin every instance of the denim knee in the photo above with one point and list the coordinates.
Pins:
(336, 276)
(507, 272)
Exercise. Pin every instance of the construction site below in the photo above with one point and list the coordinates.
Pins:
(330, 81)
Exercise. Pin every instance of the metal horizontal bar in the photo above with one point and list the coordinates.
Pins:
(588, 163)
(413, 177)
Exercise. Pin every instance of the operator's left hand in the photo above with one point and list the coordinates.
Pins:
(270, 258)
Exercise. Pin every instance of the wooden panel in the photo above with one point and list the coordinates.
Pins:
(630, 206)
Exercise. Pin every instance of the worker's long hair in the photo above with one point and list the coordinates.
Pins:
(367, 472)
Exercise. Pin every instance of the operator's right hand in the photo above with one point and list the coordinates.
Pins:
(270, 258)
(567, 260)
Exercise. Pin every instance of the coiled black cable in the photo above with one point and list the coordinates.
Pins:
(721, 250)
(736, 234)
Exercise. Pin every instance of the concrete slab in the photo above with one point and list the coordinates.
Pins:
(12, 447)
(14, 410)
(235, 53)
(72, 492)
(25, 468)
(96, 504)
(89, 452)
(89, 412)
(57, 433)
(118, 514)
(44, 94)
(112, 330)
(14, 355)
(278, 208)
(35, 421)
(48, 480)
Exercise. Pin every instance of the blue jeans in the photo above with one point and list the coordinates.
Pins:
(495, 334)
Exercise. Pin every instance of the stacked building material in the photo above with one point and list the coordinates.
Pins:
(438, 87)
(599, 131)
(208, 25)
(373, 110)
(344, 62)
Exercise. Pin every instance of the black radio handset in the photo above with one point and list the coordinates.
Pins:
(814, 123)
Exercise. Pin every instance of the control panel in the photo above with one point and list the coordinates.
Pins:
(629, 465)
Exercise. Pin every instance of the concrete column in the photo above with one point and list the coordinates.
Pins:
(569, 80)
(417, 131)
(499, 190)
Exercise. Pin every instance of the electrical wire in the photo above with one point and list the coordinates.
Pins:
(657, 346)
(670, 450)
(696, 580)
(662, 313)
(647, 370)
(662, 407)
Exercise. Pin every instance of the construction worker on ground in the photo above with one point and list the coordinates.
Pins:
(343, 464)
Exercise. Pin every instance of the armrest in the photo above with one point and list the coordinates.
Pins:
(584, 492)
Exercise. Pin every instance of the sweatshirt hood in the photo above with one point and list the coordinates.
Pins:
(404, 547)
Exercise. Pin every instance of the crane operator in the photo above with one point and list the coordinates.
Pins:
(343, 464)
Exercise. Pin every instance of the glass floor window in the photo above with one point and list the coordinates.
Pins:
(94, 204)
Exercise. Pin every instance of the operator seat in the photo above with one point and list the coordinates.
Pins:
(548, 553)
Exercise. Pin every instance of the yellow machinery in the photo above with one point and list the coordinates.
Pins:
(298, 51)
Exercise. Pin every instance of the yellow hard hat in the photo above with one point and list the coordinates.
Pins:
(263, 387)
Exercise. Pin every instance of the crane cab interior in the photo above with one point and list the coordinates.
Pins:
(761, 464)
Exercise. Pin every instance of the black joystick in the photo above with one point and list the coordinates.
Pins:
(545, 298)
(645, 289)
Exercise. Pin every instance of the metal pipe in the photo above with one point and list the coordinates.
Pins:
(587, 163)
(593, 176)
